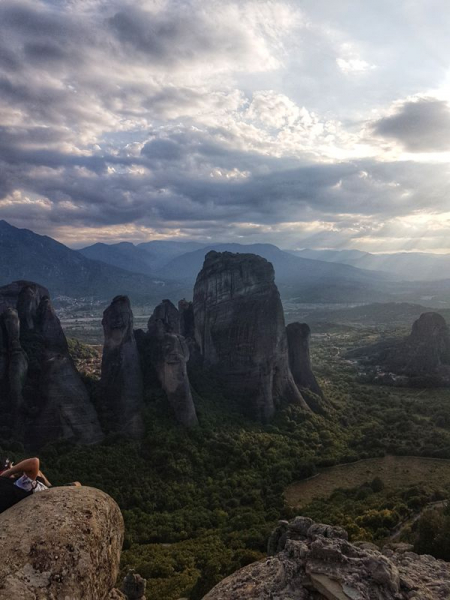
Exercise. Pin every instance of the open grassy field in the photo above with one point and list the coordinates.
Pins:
(395, 471)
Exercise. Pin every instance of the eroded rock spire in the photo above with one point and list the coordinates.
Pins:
(121, 378)
(169, 354)
(240, 329)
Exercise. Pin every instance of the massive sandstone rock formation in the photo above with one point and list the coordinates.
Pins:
(316, 562)
(422, 358)
(427, 349)
(63, 543)
(121, 378)
(42, 395)
(240, 329)
(169, 353)
(298, 336)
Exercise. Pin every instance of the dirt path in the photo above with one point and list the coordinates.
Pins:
(397, 531)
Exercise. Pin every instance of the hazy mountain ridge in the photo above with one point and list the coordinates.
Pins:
(29, 256)
(158, 269)
(148, 257)
(306, 280)
(413, 266)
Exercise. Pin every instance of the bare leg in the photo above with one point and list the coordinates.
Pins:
(44, 479)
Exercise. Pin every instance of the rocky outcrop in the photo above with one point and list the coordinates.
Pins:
(240, 330)
(43, 397)
(428, 347)
(19, 302)
(298, 337)
(312, 561)
(121, 378)
(421, 359)
(66, 410)
(133, 586)
(169, 353)
(61, 543)
(14, 295)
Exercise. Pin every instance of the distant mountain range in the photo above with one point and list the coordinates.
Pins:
(27, 255)
(148, 258)
(155, 270)
(412, 266)
(305, 279)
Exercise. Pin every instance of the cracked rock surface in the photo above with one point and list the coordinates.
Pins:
(61, 544)
(312, 561)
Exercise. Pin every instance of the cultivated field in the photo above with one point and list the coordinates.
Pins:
(395, 472)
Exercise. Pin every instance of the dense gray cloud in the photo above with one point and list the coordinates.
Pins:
(422, 125)
(176, 36)
(232, 120)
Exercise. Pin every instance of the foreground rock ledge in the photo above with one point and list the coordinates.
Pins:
(61, 544)
(316, 562)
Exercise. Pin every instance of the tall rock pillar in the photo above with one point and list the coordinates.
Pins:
(169, 354)
(298, 336)
(240, 329)
(121, 378)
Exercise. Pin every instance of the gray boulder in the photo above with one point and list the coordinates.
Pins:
(240, 330)
(121, 377)
(133, 586)
(63, 543)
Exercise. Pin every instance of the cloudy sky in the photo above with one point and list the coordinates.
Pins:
(305, 123)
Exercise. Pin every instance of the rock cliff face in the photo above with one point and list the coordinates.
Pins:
(63, 543)
(42, 395)
(240, 330)
(121, 378)
(15, 363)
(14, 295)
(428, 346)
(169, 353)
(298, 336)
(316, 562)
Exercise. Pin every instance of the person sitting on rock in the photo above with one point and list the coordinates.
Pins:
(27, 475)
(21, 480)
